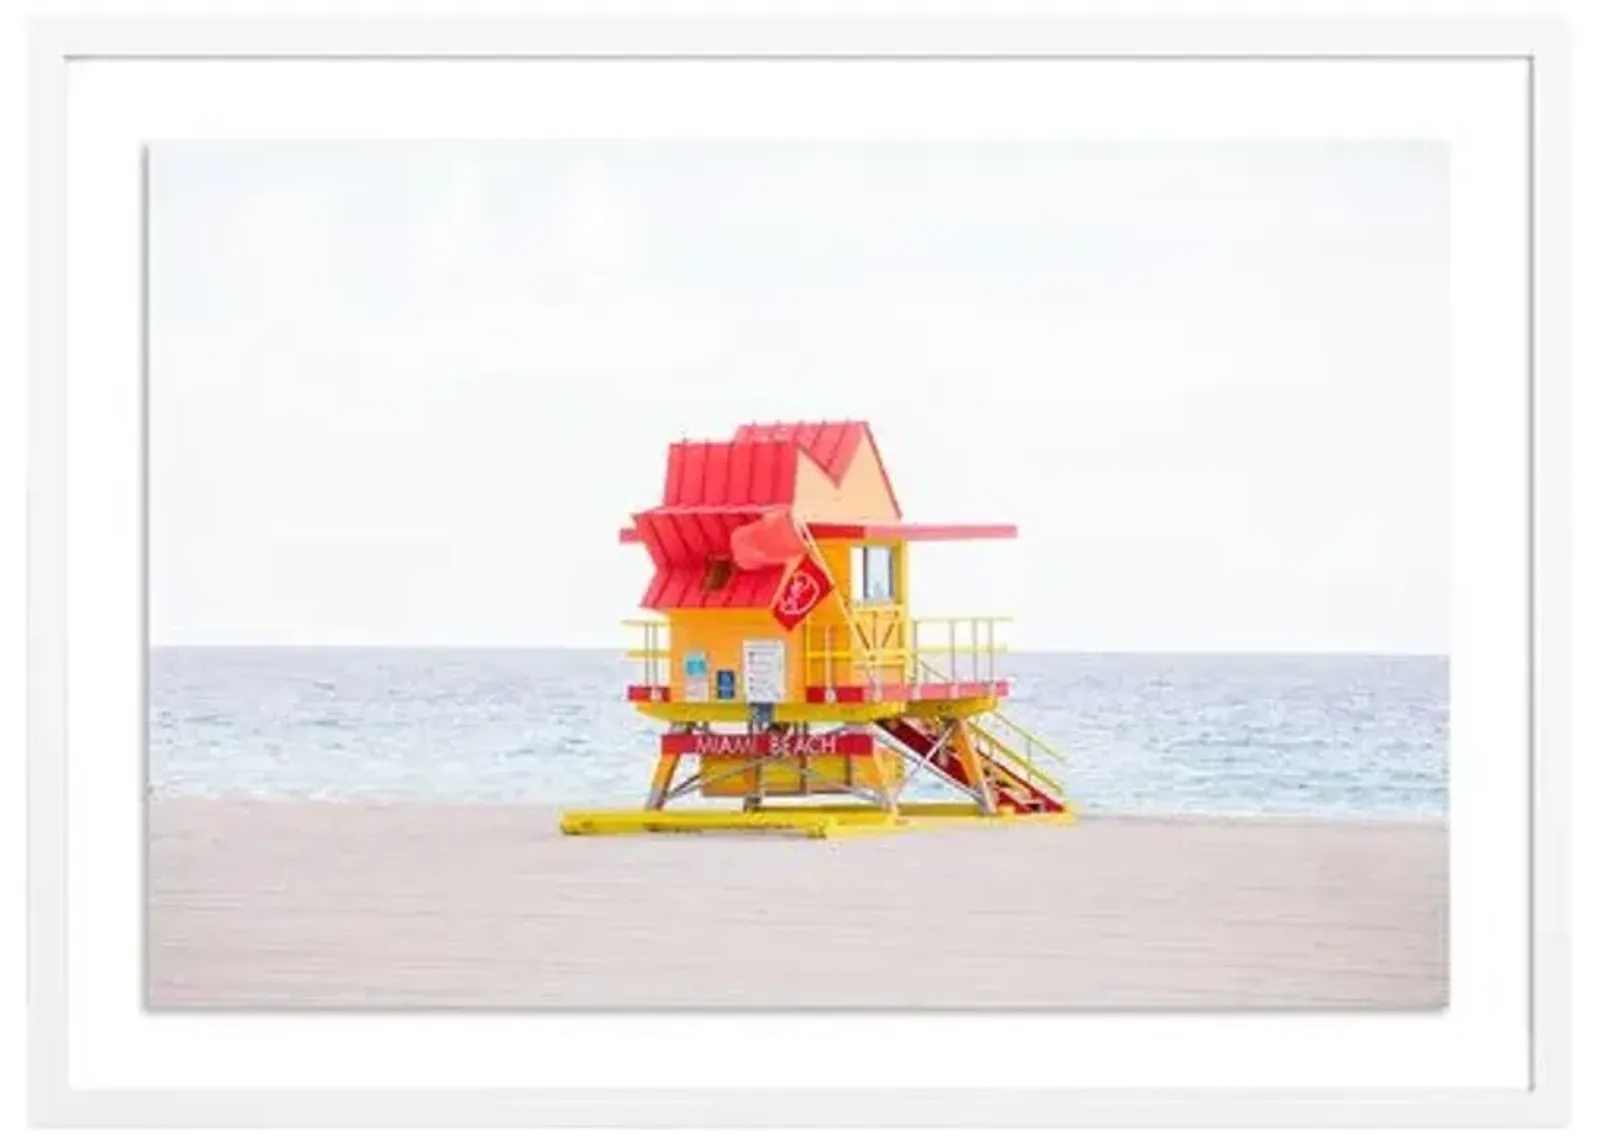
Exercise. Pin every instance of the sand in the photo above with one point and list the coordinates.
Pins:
(314, 905)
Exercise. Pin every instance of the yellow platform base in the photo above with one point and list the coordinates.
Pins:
(818, 821)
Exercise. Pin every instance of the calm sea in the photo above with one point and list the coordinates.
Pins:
(1328, 735)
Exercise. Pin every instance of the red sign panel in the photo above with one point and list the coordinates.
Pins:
(769, 744)
(803, 588)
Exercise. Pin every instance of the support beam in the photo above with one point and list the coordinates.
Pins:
(971, 763)
(661, 781)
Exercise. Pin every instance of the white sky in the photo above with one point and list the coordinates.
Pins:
(406, 394)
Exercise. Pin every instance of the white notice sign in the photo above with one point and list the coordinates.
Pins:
(764, 670)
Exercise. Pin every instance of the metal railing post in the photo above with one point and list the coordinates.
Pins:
(913, 665)
(827, 663)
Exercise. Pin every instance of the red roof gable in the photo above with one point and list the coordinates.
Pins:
(832, 445)
(757, 467)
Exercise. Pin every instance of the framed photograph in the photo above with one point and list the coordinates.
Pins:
(983, 572)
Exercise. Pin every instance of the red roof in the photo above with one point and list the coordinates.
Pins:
(686, 587)
(715, 487)
(757, 468)
(688, 538)
(683, 543)
(831, 445)
(730, 474)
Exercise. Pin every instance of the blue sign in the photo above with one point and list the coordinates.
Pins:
(727, 684)
(696, 665)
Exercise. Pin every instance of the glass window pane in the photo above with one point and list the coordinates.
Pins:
(879, 575)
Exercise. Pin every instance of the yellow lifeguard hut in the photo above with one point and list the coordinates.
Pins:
(793, 680)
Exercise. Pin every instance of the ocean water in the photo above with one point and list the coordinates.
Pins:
(1322, 735)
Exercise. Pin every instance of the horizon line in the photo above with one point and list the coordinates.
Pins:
(622, 650)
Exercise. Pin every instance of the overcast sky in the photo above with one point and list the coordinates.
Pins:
(406, 394)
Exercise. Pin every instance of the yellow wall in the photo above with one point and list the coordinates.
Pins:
(836, 555)
(721, 635)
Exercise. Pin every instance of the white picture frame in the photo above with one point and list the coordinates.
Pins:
(63, 922)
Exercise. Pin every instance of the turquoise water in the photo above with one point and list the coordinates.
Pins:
(1326, 735)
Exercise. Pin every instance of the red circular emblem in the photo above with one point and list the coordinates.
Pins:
(800, 593)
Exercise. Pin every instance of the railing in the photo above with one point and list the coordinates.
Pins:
(870, 645)
(978, 654)
(878, 643)
(656, 653)
(1021, 758)
(1022, 751)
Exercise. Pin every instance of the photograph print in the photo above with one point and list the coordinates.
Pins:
(908, 574)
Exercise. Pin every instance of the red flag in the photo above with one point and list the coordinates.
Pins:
(806, 585)
(767, 542)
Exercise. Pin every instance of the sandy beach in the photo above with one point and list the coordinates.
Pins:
(319, 905)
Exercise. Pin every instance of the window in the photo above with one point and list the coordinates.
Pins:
(872, 575)
(719, 570)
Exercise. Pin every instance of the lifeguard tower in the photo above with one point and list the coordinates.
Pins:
(794, 684)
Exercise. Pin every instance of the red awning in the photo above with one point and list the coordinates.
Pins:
(684, 544)
(687, 538)
(686, 587)
(914, 531)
